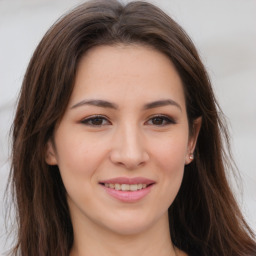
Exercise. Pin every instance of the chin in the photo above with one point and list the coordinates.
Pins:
(130, 229)
(132, 224)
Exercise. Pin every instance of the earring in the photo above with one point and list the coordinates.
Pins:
(191, 156)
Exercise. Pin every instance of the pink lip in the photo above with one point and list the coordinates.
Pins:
(128, 196)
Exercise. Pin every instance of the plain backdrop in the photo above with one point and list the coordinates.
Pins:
(224, 32)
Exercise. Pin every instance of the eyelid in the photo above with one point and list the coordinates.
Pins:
(170, 120)
(86, 120)
(166, 118)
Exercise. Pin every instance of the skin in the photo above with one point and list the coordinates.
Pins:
(125, 141)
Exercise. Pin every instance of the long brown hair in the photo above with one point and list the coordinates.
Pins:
(204, 218)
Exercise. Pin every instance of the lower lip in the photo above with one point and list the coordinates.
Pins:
(128, 196)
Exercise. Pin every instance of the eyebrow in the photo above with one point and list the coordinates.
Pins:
(97, 103)
(107, 104)
(162, 103)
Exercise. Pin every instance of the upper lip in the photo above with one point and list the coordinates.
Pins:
(128, 180)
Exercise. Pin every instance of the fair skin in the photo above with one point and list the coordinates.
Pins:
(126, 118)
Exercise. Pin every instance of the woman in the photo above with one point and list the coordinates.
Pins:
(117, 142)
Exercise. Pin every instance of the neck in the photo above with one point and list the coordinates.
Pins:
(95, 240)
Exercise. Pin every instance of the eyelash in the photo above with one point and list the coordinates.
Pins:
(168, 120)
(89, 121)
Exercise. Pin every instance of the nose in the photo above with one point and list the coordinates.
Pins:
(128, 148)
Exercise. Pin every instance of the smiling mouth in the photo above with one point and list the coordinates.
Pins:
(126, 187)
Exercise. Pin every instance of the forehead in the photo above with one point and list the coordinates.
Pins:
(122, 71)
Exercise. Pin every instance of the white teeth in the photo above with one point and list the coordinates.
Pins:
(117, 187)
(125, 187)
(134, 187)
(140, 186)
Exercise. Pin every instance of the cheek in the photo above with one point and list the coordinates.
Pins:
(78, 160)
(171, 153)
(78, 155)
(170, 158)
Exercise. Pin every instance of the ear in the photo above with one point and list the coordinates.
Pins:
(50, 154)
(193, 139)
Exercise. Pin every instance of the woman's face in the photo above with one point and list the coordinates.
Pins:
(123, 141)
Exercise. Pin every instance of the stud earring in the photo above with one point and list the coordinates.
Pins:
(191, 156)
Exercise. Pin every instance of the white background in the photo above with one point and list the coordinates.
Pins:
(224, 32)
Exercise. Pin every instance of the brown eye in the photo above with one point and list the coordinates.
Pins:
(157, 120)
(96, 121)
(161, 121)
